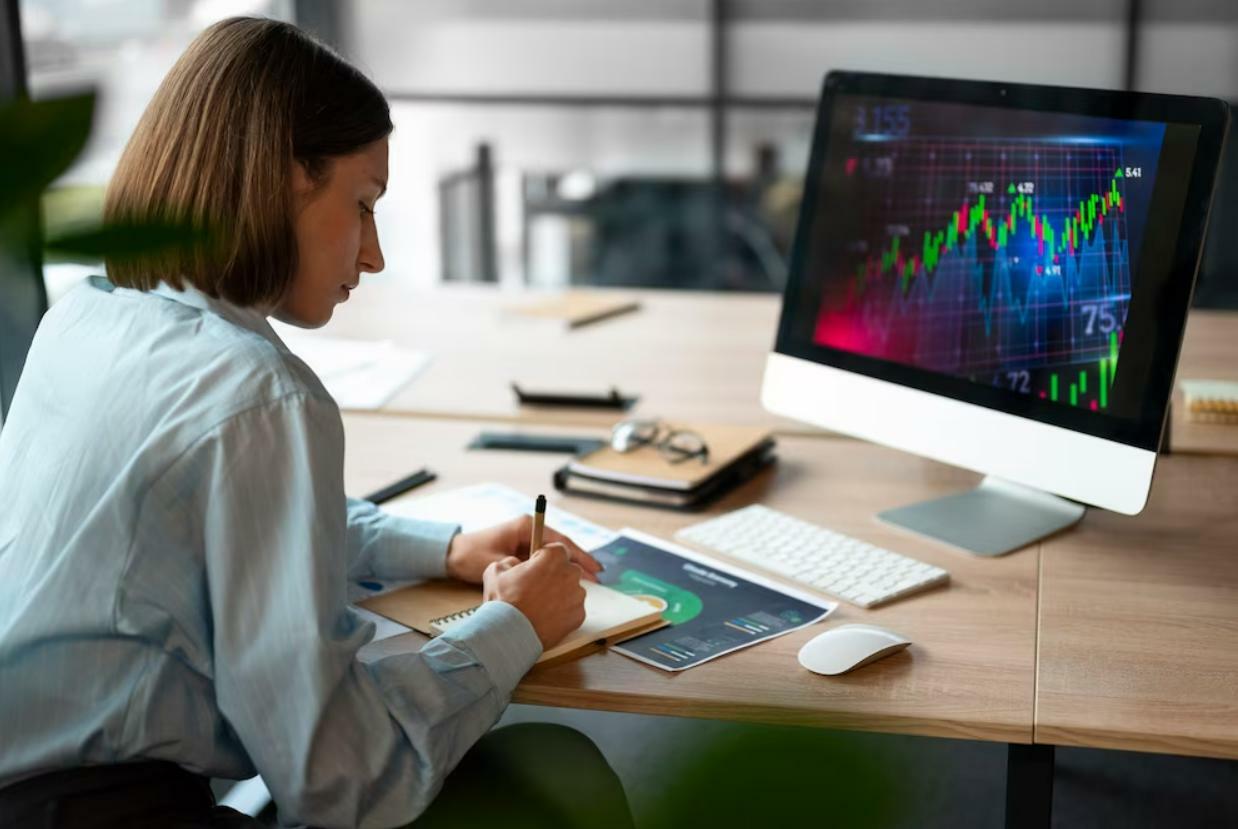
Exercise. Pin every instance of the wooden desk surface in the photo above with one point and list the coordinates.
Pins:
(1139, 620)
(968, 675)
(689, 355)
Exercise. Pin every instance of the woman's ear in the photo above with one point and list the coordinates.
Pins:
(303, 181)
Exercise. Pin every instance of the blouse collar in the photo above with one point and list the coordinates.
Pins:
(248, 318)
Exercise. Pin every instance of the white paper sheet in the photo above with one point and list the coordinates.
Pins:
(484, 505)
(359, 374)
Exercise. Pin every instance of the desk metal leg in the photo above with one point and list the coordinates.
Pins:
(1029, 786)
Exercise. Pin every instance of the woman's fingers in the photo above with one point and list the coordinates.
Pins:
(560, 548)
(588, 563)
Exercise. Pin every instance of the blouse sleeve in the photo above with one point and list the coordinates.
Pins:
(337, 742)
(386, 546)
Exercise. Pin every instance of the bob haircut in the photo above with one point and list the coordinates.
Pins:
(215, 147)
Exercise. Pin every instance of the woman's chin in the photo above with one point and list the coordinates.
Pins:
(302, 318)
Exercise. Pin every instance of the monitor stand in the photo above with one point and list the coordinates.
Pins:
(995, 518)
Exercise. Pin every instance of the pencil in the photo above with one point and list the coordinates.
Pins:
(539, 523)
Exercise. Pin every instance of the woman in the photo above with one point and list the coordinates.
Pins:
(176, 542)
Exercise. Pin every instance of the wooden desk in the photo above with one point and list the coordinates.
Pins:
(1209, 351)
(1139, 620)
(1119, 634)
(968, 675)
(688, 355)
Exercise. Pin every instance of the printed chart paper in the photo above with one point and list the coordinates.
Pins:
(713, 608)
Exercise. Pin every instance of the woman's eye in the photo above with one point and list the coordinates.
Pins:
(365, 209)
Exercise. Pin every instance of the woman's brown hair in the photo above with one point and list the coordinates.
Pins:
(215, 148)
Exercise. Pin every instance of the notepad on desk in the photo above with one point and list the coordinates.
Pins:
(645, 476)
(432, 608)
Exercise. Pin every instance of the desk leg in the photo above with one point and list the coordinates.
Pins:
(1029, 786)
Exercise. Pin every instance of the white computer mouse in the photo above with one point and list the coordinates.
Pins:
(847, 647)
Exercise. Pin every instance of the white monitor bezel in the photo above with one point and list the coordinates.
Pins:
(1082, 467)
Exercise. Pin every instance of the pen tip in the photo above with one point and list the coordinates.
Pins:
(540, 506)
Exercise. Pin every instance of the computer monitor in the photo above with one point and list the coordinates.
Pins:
(23, 297)
(997, 276)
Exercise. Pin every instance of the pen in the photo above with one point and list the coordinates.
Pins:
(539, 523)
(421, 476)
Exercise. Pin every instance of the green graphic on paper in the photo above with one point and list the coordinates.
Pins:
(681, 605)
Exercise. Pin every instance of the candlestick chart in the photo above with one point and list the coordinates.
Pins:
(1007, 262)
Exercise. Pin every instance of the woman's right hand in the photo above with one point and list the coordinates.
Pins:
(546, 589)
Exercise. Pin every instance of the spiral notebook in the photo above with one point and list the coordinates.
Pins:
(432, 607)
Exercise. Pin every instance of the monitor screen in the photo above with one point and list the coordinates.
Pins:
(1014, 248)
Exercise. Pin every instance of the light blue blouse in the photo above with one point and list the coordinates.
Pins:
(175, 546)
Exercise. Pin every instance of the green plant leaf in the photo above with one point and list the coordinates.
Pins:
(38, 142)
(750, 776)
(122, 241)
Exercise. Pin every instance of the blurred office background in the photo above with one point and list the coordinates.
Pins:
(640, 143)
(662, 143)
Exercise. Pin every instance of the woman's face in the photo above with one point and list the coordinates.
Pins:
(336, 237)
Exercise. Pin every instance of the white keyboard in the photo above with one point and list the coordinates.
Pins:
(822, 559)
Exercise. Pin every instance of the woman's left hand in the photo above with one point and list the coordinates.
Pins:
(471, 553)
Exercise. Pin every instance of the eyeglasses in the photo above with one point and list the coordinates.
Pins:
(674, 445)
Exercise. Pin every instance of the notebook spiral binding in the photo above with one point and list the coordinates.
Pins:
(443, 621)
